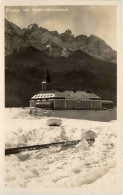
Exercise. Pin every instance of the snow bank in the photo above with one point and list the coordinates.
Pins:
(24, 130)
(78, 181)
(79, 166)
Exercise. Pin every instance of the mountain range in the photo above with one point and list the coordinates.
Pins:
(74, 63)
(55, 44)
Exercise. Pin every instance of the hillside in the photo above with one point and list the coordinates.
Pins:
(24, 72)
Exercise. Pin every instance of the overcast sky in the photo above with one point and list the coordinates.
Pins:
(99, 20)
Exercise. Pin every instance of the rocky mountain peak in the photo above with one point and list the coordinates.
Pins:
(98, 41)
(40, 38)
(81, 38)
(35, 26)
(67, 36)
(68, 32)
(54, 33)
(93, 36)
(12, 28)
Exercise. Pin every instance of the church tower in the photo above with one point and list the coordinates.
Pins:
(45, 81)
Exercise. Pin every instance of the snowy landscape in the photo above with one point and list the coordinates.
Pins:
(82, 165)
(61, 126)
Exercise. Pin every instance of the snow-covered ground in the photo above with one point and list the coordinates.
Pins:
(82, 165)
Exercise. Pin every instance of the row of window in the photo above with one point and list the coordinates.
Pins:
(51, 95)
(77, 98)
(44, 95)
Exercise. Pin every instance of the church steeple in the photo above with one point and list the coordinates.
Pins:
(47, 77)
(45, 81)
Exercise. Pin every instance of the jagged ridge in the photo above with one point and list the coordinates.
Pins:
(55, 44)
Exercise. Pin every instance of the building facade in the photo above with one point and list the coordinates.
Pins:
(67, 100)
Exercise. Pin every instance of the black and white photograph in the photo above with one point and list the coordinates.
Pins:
(61, 127)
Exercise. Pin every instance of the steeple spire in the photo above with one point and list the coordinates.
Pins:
(45, 81)
(47, 77)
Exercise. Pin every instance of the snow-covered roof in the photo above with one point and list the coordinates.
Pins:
(94, 96)
(66, 95)
(43, 95)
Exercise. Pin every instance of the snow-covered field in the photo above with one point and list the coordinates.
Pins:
(60, 167)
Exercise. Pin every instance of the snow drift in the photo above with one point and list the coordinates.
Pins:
(59, 166)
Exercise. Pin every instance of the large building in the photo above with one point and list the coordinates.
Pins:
(66, 100)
